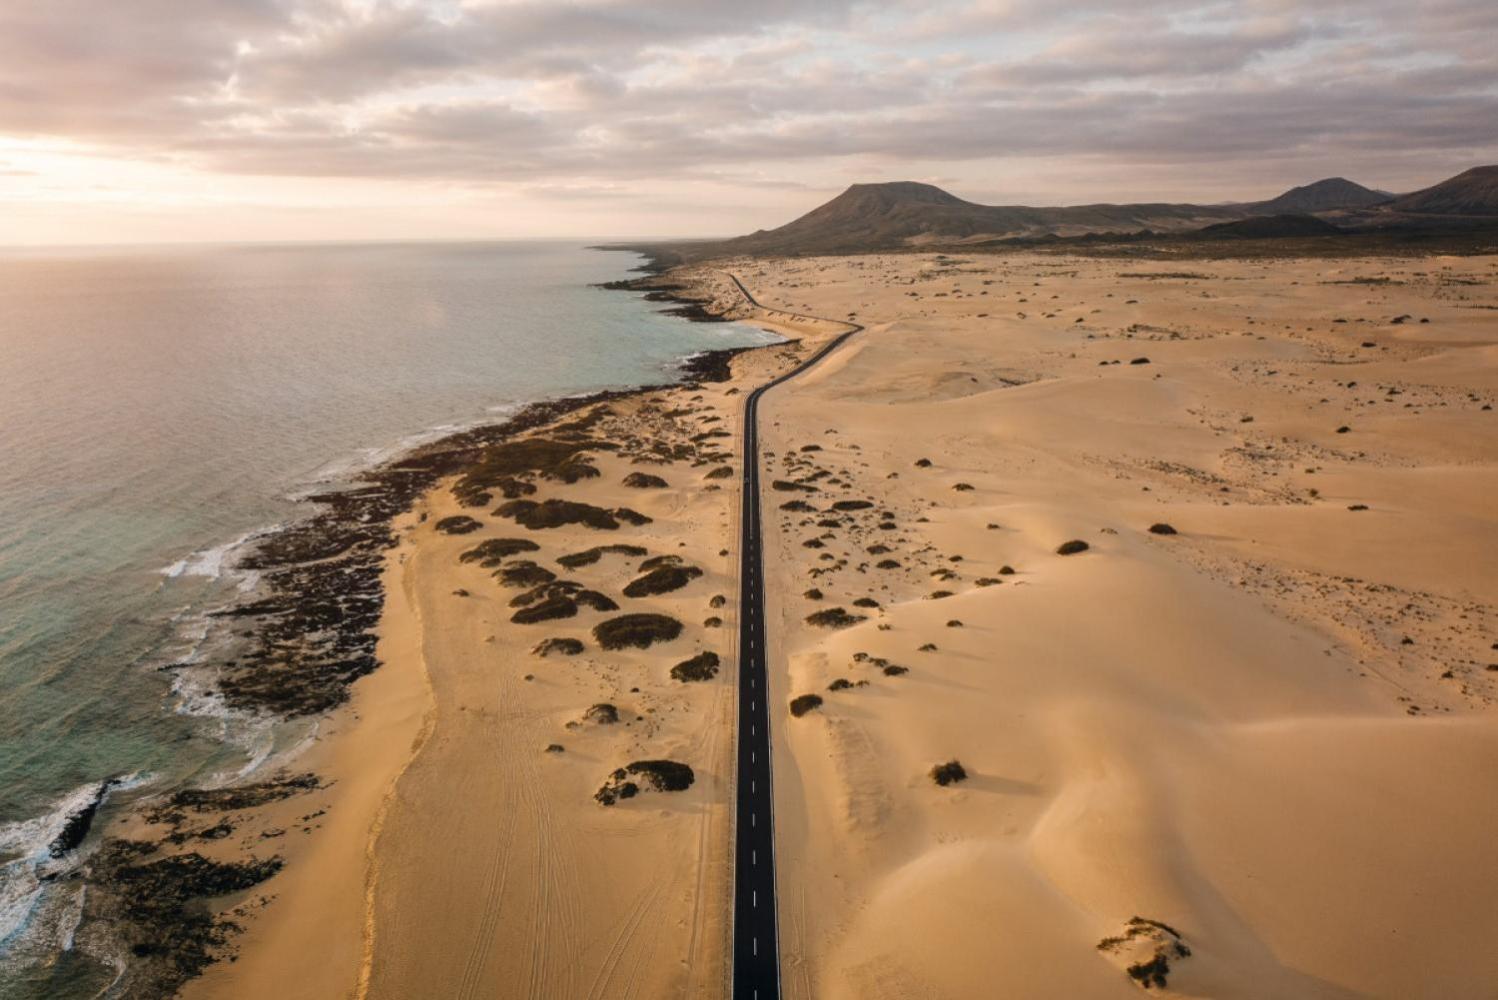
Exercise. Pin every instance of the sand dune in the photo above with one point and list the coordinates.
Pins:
(1221, 730)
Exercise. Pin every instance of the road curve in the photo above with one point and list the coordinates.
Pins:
(756, 940)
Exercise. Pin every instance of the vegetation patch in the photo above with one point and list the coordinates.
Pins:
(492, 551)
(555, 513)
(659, 775)
(638, 631)
(561, 458)
(588, 557)
(702, 667)
(803, 703)
(949, 773)
(1071, 548)
(644, 481)
(458, 524)
(1161, 528)
(833, 618)
(1148, 947)
(661, 580)
(524, 573)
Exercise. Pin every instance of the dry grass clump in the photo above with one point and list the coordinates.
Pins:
(458, 524)
(561, 645)
(833, 618)
(639, 631)
(786, 486)
(602, 714)
(644, 481)
(702, 667)
(1160, 942)
(803, 703)
(721, 472)
(1161, 528)
(949, 773)
(853, 505)
(492, 551)
(1070, 548)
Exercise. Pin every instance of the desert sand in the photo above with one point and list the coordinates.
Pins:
(1270, 732)
(1250, 758)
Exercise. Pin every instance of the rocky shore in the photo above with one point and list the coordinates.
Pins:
(306, 634)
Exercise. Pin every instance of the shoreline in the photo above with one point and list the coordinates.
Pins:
(319, 586)
(284, 961)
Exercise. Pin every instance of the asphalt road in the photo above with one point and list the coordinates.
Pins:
(756, 942)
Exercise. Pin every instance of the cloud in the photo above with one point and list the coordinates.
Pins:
(576, 99)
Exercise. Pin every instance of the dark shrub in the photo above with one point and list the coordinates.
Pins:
(789, 487)
(721, 472)
(833, 618)
(458, 524)
(492, 551)
(661, 775)
(803, 703)
(1161, 528)
(661, 580)
(866, 602)
(853, 505)
(949, 773)
(644, 481)
(702, 667)
(589, 556)
(555, 513)
(524, 573)
(1070, 548)
(636, 630)
(548, 609)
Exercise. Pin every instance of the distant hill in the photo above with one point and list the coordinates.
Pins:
(1327, 195)
(1473, 192)
(906, 213)
(1265, 227)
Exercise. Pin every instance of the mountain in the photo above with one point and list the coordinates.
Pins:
(1473, 192)
(1327, 195)
(904, 213)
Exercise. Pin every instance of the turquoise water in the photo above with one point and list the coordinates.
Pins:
(156, 405)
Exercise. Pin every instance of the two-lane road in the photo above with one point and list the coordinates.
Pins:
(756, 942)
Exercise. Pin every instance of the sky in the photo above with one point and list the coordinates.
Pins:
(230, 120)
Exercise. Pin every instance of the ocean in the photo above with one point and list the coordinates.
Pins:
(161, 407)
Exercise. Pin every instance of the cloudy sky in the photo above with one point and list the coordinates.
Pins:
(146, 120)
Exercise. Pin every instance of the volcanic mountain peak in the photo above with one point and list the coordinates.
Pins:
(1472, 192)
(1325, 195)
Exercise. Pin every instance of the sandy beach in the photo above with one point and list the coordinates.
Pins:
(1251, 756)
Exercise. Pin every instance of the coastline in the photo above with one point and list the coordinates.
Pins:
(410, 823)
(319, 590)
